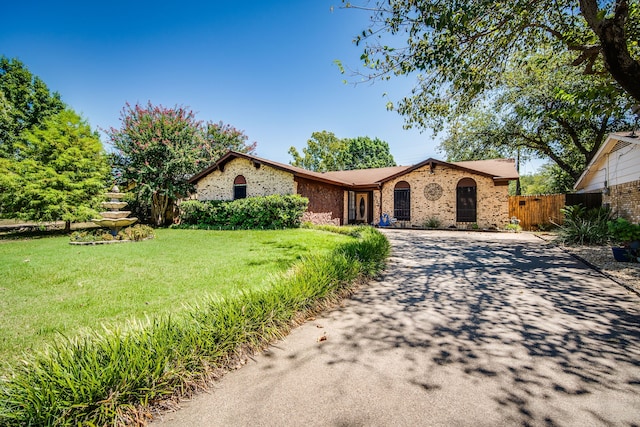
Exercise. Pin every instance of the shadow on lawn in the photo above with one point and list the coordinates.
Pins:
(545, 340)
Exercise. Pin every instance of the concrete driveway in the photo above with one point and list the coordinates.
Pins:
(463, 329)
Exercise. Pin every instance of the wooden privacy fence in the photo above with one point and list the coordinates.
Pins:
(535, 212)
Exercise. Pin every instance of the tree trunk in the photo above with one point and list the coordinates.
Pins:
(67, 226)
(613, 44)
(159, 205)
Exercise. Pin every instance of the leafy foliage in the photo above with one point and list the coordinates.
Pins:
(269, 212)
(549, 179)
(58, 172)
(325, 152)
(584, 227)
(25, 102)
(157, 149)
(459, 50)
(545, 109)
(364, 153)
(623, 231)
(220, 138)
(134, 233)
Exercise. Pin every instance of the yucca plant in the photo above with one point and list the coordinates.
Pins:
(584, 227)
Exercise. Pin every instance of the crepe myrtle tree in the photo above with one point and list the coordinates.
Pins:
(157, 149)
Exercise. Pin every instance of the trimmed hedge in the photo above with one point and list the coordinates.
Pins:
(112, 377)
(268, 212)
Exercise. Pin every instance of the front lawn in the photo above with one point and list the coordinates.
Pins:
(48, 286)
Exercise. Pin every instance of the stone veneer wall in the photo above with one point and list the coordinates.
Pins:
(624, 199)
(492, 200)
(262, 181)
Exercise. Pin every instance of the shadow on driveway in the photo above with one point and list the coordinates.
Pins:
(462, 329)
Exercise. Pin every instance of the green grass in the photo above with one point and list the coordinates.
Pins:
(113, 377)
(49, 287)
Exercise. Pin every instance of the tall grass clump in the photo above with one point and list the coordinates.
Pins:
(113, 376)
(584, 226)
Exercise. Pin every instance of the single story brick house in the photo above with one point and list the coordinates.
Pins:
(460, 194)
(614, 171)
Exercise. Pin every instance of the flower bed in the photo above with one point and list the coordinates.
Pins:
(100, 236)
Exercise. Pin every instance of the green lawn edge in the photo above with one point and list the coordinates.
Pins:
(115, 376)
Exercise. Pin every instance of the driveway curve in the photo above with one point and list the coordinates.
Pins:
(462, 329)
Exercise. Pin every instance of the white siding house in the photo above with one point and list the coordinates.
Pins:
(615, 172)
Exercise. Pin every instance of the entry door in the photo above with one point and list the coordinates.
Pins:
(362, 207)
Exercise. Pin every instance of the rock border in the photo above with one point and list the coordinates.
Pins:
(107, 242)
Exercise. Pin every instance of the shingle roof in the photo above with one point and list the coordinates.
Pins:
(498, 169)
(365, 176)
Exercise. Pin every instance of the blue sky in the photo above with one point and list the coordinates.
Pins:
(265, 67)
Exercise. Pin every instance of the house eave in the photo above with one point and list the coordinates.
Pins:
(604, 149)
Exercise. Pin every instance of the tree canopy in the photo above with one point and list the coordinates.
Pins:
(546, 109)
(25, 102)
(157, 149)
(459, 50)
(326, 152)
(59, 172)
(52, 166)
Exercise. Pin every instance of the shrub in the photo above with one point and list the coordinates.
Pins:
(432, 222)
(515, 228)
(105, 377)
(137, 232)
(584, 227)
(622, 231)
(269, 212)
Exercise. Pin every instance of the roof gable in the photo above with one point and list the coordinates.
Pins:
(257, 161)
(613, 143)
(498, 169)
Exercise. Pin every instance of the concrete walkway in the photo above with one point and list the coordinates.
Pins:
(463, 329)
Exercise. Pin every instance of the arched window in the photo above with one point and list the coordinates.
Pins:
(239, 187)
(402, 201)
(466, 200)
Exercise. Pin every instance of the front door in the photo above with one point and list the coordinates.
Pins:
(362, 207)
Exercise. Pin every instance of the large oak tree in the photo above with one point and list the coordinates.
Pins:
(459, 49)
(545, 108)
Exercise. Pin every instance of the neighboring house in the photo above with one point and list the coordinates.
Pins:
(461, 194)
(615, 172)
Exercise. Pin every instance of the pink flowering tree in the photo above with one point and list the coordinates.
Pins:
(157, 149)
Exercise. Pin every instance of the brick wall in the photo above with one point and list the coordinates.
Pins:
(323, 198)
(262, 181)
(624, 199)
(492, 200)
